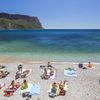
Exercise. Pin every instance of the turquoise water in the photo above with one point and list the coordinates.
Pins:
(56, 45)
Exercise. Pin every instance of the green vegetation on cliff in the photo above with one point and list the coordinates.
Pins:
(16, 21)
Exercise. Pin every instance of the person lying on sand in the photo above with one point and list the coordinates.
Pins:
(24, 85)
(22, 74)
(48, 72)
(89, 65)
(11, 88)
(3, 74)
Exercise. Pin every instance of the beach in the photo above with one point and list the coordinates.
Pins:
(83, 87)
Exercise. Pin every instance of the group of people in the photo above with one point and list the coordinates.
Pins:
(48, 71)
(13, 85)
(58, 89)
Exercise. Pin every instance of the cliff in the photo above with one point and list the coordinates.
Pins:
(17, 21)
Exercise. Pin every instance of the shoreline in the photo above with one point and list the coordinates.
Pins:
(9, 59)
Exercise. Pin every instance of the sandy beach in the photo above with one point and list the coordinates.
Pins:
(83, 87)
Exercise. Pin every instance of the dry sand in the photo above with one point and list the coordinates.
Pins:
(83, 87)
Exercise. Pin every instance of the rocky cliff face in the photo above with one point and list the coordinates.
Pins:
(17, 21)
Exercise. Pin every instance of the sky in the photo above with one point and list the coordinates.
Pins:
(58, 14)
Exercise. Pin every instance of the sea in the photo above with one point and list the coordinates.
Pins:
(70, 45)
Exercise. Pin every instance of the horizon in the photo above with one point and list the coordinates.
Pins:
(58, 14)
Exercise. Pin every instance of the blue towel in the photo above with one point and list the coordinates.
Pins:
(35, 90)
(70, 72)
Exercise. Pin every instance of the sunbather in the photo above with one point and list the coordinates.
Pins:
(3, 74)
(53, 91)
(24, 85)
(12, 85)
(22, 74)
(51, 71)
(48, 72)
(45, 75)
(49, 65)
(20, 68)
(62, 88)
(11, 89)
(89, 65)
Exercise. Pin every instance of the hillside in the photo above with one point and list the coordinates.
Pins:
(17, 21)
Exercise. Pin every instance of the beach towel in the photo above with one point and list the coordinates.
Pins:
(23, 74)
(35, 90)
(9, 91)
(70, 72)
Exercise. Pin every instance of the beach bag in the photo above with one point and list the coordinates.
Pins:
(52, 95)
(80, 65)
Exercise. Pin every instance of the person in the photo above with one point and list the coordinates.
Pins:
(49, 65)
(61, 87)
(45, 74)
(89, 65)
(54, 87)
(3, 74)
(51, 72)
(12, 85)
(53, 91)
(24, 85)
(20, 68)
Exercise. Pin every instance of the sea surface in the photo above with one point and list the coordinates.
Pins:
(52, 45)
